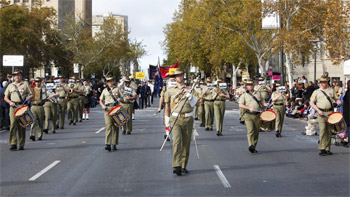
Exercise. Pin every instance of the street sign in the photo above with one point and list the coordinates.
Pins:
(76, 68)
(13, 60)
(140, 75)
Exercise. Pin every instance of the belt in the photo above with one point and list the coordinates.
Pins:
(111, 104)
(326, 110)
(253, 113)
(73, 97)
(220, 100)
(37, 104)
(182, 115)
(278, 104)
(62, 97)
(209, 100)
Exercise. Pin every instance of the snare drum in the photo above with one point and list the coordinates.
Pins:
(337, 122)
(24, 116)
(267, 120)
(119, 115)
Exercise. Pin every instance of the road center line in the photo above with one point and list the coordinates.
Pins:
(221, 176)
(100, 130)
(44, 170)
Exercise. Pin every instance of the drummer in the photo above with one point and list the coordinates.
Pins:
(322, 101)
(109, 98)
(16, 94)
(279, 99)
(252, 102)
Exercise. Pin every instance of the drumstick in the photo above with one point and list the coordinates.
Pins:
(26, 99)
(325, 115)
(267, 106)
(156, 113)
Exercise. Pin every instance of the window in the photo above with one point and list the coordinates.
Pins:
(16, 1)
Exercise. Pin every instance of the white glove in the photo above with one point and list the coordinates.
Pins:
(193, 101)
(167, 121)
(189, 96)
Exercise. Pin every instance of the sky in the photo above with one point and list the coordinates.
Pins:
(147, 19)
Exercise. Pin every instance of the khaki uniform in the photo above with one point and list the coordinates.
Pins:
(61, 105)
(72, 106)
(323, 104)
(252, 119)
(219, 108)
(81, 98)
(265, 95)
(50, 109)
(182, 130)
(208, 107)
(280, 109)
(200, 108)
(129, 107)
(38, 111)
(197, 93)
(241, 90)
(11, 93)
(112, 131)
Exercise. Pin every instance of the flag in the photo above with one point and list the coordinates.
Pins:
(153, 70)
(158, 80)
(165, 70)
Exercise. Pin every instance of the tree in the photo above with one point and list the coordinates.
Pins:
(30, 33)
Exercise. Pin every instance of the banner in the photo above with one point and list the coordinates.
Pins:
(140, 75)
(164, 71)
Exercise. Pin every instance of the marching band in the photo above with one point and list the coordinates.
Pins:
(261, 108)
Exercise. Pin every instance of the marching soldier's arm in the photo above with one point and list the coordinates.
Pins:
(9, 101)
(215, 94)
(313, 100)
(242, 104)
(167, 109)
(29, 98)
(102, 98)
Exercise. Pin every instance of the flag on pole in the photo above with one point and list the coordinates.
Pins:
(165, 70)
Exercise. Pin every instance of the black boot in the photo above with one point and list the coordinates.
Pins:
(114, 147)
(46, 131)
(32, 138)
(323, 153)
(177, 171)
(13, 147)
(252, 149)
(108, 147)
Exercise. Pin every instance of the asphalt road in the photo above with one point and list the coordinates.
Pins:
(75, 163)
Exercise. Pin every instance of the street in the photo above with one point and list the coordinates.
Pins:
(73, 162)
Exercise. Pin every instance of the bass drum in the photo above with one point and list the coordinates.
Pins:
(267, 120)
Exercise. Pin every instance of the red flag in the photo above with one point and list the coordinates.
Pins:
(164, 71)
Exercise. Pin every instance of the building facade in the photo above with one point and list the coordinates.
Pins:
(67, 10)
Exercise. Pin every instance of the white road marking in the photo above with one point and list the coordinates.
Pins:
(44, 170)
(100, 130)
(221, 176)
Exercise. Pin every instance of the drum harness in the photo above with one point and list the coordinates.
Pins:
(329, 99)
(110, 93)
(256, 100)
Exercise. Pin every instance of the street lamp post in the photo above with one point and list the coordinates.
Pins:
(315, 54)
